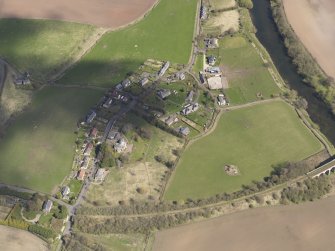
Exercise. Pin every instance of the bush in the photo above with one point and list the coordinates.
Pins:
(41, 231)
(245, 4)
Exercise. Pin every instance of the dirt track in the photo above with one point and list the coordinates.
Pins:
(305, 227)
(12, 239)
(102, 13)
(314, 23)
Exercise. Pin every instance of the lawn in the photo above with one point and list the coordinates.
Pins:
(37, 150)
(41, 46)
(165, 34)
(253, 139)
(247, 75)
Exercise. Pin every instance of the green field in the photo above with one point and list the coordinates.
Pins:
(165, 34)
(245, 70)
(40, 46)
(253, 139)
(37, 150)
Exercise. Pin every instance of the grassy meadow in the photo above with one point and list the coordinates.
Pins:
(40, 46)
(166, 34)
(248, 77)
(37, 149)
(253, 139)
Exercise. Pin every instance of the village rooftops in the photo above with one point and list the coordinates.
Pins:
(164, 69)
(65, 191)
(108, 103)
(212, 42)
(190, 96)
(211, 60)
(221, 100)
(84, 163)
(125, 83)
(120, 145)
(144, 81)
(91, 117)
(213, 70)
(163, 93)
(88, 149)
(47, 206)
(94, 132)
(180, 75)
(81, 175)
(184, 131)
(171, 120)
(190, 108)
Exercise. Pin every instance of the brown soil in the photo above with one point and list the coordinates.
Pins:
(12, 239)
(305, 227)
(102, 13)
(313, 21)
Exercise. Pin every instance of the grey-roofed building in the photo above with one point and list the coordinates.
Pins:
(190, 108)
(164, 93)
(203, 12)
(144, 81)
(125, 83)
(184, 131)
(120, 145)
(65, 191)
(47, 206)
(222, 100)
(180, 75)
(91, 117)
(164, 69)
(171, 120)
(213, 70)
(108, 103)
(211, 60)
(190, 96)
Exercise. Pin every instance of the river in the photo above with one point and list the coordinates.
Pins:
(268, 35)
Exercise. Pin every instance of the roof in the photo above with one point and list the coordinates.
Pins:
(164, 93)
(65, 190)
(81, 174)
(184, 131)
(47, 205)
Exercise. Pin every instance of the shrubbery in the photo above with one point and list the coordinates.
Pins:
(41, 231)
(245, 4)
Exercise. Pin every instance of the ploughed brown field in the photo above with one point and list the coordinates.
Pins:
(314, 23)
(304, 227)
(12, 239)
(102, 13)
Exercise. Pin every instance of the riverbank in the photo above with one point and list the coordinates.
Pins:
(314, 25)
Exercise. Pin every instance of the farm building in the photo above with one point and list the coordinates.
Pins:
(88, 149)
(47, 206)
(91, 117)
(180, 75)
(163, 93)
(221, 100)
(164, 69)
(22, 79)
(65, 191)
(144, 81)
(81, 175)
(213, 70)
(125, 83)
(171, 120)
(190, 108)
(203, 12)
(120, 145)
(108, 103)
(84, 163)
(190, 96)
(212, 43)
(184, 131)
(211, 60)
